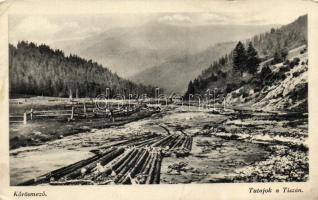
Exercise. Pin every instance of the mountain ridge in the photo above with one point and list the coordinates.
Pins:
(173, 75)
(40, 70)
(283, 53)
(130, 50)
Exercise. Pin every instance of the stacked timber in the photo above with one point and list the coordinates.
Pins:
(131, 161)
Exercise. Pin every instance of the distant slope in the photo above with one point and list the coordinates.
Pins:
(173, 75)
(287, 37)
(286, 87)
(251, 87)
(129, 51)
(40, 70)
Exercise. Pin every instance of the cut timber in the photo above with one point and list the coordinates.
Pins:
(56, 174)
(108, 156)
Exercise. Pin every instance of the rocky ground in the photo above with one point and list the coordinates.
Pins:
(232, 146)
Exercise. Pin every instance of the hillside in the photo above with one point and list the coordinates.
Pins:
(283, 87)
(40, 70)
(173, 75)
(279, 47)
(131, 50)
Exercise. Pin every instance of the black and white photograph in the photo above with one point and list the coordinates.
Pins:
(158, 98)
(169, 100)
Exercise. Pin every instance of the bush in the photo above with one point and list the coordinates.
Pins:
(284, 69)
(303, 51)
(300, 92)
(296, 74)
(235, 95)
(266, 71)
(230, 87)
(213, 78)
(296, 60)
(245, 94)
(287, 62)
(279, 76)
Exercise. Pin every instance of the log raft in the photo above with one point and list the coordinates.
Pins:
(133, 161)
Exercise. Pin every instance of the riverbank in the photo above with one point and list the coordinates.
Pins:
(38, 132)
(226, 147)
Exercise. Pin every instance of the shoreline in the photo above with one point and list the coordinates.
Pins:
(35, 136)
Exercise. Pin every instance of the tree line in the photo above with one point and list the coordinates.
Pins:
(240, 60)
(227, 72)
(40, 70)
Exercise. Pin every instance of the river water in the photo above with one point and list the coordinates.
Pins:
(212, 159)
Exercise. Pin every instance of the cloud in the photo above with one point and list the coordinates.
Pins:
(213, 18)
(33, 28)
(175, 19)
(48, 29)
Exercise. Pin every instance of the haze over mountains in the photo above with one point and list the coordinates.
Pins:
(279, 82)
(173, 74)
(129, 51)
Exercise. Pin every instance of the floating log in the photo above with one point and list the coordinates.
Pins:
(177, 143)
(157, 170)
(143, 169)
(152, 170)
(73, 182)
(133, 166)
(147, 169)
(56, 174)
(121, 160)
(156, 144)
(171, 142)
(109, 166)
(123, 166)
(149, 141)
(109, 155)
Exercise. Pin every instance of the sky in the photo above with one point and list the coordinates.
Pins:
(48, 27)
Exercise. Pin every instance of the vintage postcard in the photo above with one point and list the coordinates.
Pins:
(159, 99)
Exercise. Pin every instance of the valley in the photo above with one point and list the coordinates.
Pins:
(232, 146)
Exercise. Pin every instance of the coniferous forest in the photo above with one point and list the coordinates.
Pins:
(227, 72)
(37, 70)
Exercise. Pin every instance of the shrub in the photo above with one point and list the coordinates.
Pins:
(303, 51)
(230, 87)
(245, 94)
(296, 74)
(213, 78)
(287, 62)
(296, 61)
(284, 69)
(235, 95)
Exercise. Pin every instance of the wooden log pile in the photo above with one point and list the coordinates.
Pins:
(134, 161)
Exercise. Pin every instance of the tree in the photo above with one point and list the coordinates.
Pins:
(265, 73)
(196, 85)
(37, 70)
(252, 60)
(239, 58)
(284, 53)
(280, 55)
(190, 89)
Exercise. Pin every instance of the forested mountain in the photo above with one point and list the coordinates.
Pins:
(233, 70)
(174, 74)
(131, 50)
(40, 70)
